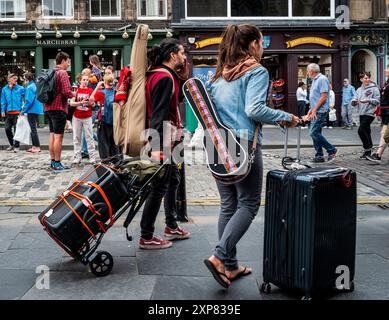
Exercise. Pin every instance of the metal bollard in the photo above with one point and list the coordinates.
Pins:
(182, 212)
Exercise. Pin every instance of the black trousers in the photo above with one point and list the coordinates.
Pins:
(106, 146)
(33, 121)
(10, 123)
(364, 131)
(166, 187)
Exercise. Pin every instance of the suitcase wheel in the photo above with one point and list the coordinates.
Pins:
(306, 298)
(102, 264)
(265, 287)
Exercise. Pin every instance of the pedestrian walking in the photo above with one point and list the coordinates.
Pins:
(330, 123)
(347, 109)
(367, 98)
(239, 91)
(107, 147)
(319, 99)
(301, 95)
(168, 65)
(11, 105)
(82, 121)
(384, 110)
(33, 108)
(57, 110)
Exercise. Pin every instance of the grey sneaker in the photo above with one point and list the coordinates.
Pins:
(16, 150)
(10, 148)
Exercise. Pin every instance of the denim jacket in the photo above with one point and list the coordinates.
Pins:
(242, 102)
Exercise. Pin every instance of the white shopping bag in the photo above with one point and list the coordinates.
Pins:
(197, 139)
(23, 130)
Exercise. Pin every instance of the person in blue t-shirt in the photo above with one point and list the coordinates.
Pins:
(107, 147)
(319, 100)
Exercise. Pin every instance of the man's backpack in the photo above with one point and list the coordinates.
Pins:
(46, 86)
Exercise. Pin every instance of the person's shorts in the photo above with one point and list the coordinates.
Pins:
(56, 120)
(385, 119)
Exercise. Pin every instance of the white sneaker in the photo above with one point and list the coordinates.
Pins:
(329, 127)
(16, 150)
(92, 160)
(76, 160)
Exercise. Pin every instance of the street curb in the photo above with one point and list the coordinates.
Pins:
(191, 202)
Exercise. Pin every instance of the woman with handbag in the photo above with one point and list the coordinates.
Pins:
(239, 91)
(383, 112)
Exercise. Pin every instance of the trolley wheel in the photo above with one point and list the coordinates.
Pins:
(102, 264)
(306, 298)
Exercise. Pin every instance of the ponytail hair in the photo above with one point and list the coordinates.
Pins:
(161, 53)
(235, 45)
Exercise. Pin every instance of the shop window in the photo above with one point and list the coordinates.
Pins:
(12, 10)
(324, 61)
(16, 61)
(58, 8)
(152, 9)
(293, 9)
(205, 8)
(108, 57)
(259, 8)
(105, 9)
(311, 8)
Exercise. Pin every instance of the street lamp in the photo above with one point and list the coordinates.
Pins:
(14, 36)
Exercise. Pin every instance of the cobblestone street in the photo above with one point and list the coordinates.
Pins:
(26, 177)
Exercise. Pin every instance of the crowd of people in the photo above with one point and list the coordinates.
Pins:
(240, 95)
(358, 108)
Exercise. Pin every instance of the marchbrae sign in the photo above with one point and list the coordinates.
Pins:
(208, 42)
(56, 42)
(306, 40)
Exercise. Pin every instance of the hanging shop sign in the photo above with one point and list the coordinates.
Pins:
(208, 42)
(309, 40)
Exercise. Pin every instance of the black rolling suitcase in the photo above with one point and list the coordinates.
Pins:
(310, 230)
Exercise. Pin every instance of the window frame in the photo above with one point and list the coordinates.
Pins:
(97, 18)
(289, 16)
(139, 17)
(57, 17)
(16, 19)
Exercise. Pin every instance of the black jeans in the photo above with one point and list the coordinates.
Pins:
(364, 131)
(159, 189)
(33, 121)
(107, 147)
(10, 122)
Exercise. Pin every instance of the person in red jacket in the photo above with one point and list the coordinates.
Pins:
(168, 66)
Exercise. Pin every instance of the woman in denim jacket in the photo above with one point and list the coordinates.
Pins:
(239, 91)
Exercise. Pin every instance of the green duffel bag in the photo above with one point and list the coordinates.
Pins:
(144, 169)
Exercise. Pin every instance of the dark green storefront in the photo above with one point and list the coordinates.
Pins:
(26, 53)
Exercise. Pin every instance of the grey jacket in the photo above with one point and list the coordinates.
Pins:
(371, 93)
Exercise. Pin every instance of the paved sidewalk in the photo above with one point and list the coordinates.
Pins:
(173, 274)
(26, 177)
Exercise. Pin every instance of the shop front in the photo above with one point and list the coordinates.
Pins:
(287, 55)
(33, 55)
